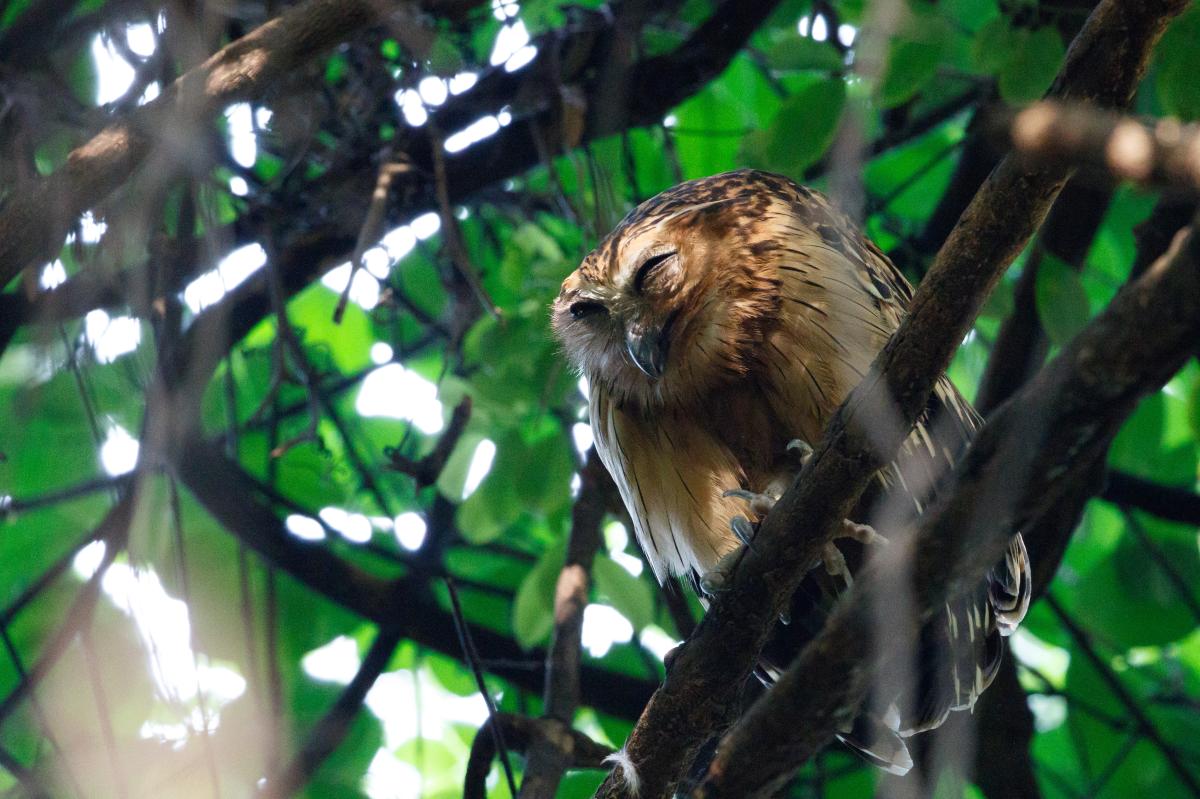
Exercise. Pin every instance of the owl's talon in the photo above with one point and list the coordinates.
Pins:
(717, 579)
(800, 450)
(862, 533)
(760, 504)
(714, 581)
(835, 563)
(743, 530)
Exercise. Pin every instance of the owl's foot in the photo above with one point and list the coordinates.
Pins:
(760, 504)
(717, 579)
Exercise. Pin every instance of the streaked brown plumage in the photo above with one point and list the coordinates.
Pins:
(724, 318)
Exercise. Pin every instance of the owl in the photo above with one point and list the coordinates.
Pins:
(719, 327)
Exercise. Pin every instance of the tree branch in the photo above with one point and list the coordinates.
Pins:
(1175, 504)
(550, 756)
(1047, 434)
(227, 493)
(1104, 65)
(34, 223)
(1165, 154)
(520, 732)
(331, 730)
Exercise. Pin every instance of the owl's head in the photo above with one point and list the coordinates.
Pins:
(675, 302)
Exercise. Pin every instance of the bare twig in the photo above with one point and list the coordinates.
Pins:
(425, 470)
(550, 756)
(519, 732)
(330, 731)
(471, 655)
(1131, 705)
(113, 530)
(372, 227)
(451, 235)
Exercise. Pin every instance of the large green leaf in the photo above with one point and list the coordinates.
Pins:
(533, 608)
(1062, 301)
(630, 595)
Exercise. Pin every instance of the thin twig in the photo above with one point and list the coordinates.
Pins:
(1127, 700)
(328, 733)
(451, 235)
(425, 471)
(472, 658)
(372, 227)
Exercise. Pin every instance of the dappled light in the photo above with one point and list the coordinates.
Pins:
(317, 479)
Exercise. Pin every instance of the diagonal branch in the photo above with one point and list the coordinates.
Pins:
(33, 224)
(1045, 436)
(549, 756)
(227, 494)
(331, 730)
(1104, 65)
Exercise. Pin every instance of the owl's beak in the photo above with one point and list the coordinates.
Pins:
(647, 348)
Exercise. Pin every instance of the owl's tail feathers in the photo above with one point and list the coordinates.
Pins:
(1009, 586)
(878, 742)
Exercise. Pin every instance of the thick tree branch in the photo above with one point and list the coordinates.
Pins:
(1046, 435)
(1104, 65)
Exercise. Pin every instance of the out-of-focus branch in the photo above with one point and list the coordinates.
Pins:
(1167, 153)
(331, 730)
(1047, 434)
(550, 756)
(425, 470)
(34, 223)
(113, 530)
(1172, 503)
(520, 732)
(1104, 65)
(229, 495)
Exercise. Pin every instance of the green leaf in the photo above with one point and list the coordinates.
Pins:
(1062, 302)
(993, 45)
(911, 66)
(1178, 67)
(348, 345)
(628, 594)
(533, 607)
(1031, 66)
(1130, 600)
(796, 53)
(454, 474)
(803, 129)
(1194, 407)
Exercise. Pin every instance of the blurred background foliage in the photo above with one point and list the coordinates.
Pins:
(198, 667)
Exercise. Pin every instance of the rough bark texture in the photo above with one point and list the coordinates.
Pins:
(1047, 434)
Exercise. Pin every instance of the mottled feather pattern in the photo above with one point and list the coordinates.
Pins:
(722, 319)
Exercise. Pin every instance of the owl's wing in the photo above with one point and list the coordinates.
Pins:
(842, 300)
